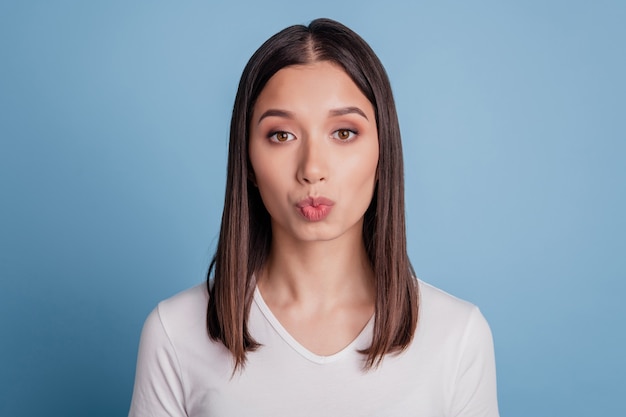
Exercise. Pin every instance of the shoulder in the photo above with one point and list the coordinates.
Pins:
(183, 312)
(177, 319)
(448, 316)
(185, 304)
(459, 341)
(173, 335)
(435, 299)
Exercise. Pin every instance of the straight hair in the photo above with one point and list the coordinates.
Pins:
(246, 234)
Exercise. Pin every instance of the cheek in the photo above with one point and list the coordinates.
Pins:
(365, 179)
(266, 171)
(258, 165)
(271, 184)
(268, 183)
(363, 169)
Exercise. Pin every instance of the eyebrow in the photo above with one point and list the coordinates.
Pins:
(348, 110)
(276, 113)
(334, 113)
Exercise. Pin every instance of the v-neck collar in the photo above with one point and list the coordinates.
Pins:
(358, 342)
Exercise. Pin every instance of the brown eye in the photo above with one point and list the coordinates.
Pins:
(344, 134)
(281, 136)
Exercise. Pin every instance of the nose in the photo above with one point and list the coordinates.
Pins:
(312, 164)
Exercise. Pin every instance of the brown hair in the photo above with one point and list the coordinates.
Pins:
(246, 234)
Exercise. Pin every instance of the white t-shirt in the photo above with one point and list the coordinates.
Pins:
(447, 370)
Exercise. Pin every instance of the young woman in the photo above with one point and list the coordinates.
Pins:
(311, 306)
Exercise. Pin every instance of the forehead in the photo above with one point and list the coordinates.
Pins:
(311, 87)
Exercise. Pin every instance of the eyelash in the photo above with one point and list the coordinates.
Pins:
(272, 136)
(351, 132)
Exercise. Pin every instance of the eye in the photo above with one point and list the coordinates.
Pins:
(281, 136)
(344, 135)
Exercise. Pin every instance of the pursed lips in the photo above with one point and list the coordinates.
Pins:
(315, 209)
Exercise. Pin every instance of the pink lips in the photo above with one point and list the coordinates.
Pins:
(315, 209)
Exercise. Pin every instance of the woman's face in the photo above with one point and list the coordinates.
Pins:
(314, 152)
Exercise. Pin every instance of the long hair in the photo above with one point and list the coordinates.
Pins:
(246, 234)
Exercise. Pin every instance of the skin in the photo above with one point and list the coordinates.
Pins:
(313, 134)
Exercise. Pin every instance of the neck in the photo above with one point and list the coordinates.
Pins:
(319, 273)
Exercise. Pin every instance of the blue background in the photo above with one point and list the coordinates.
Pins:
(114, 121)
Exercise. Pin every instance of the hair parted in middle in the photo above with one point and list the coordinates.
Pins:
(246, 234)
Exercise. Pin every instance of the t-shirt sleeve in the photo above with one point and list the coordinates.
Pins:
(158, 384)
(475, 393)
